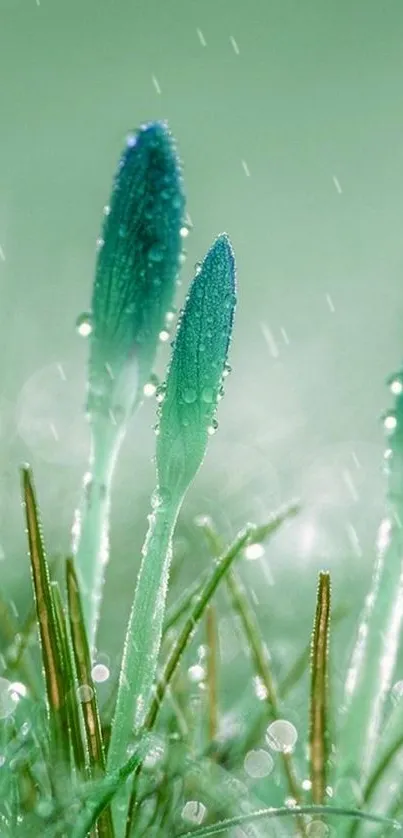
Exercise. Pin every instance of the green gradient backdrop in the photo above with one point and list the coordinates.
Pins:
(313, 92)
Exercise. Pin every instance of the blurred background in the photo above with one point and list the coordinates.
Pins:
(289, 120)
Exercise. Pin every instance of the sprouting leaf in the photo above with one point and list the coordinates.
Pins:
(195, 375)
(318, 734)
(198, 360)
(52, 653)
(137, 266)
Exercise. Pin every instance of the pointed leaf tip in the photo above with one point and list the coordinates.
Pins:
(195, 377)
(137, 265)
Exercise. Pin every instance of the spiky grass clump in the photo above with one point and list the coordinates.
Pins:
(142, 764)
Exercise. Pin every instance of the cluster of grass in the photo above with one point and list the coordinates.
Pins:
(142, 764)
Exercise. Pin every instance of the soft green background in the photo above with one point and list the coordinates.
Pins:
(309, 95)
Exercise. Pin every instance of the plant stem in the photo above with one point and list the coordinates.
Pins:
(143, 639)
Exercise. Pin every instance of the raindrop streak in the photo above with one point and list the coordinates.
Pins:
(234, 45)
(201, 37)
(246, 168)
(337, 184)
(156, 84)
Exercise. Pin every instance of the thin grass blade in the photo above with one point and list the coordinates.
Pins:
(318, 722)
(52, 652)
(89, 703)
(373, 661)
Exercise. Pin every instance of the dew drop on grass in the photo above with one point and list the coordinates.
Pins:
(207, 395)
(213, 427)
(163, 336)
(306, 785)
(281, 736)
(260, 688)
(254, 551)
(196, 673)
(258, 763)
(194, 811)
(100, 673)
(160, 497)
(84, 693)
(317, 829)
(397, 692)
(390, 422)
(84, 324)
(150, 388)
(184, 231)
(396, 386)
(8, 698)
(189, 395)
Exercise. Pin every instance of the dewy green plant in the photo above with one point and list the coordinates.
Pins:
(137, 266)
(147, 761)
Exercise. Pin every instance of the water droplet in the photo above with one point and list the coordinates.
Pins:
(396, 385)
(306, 785)
(196, 673)
(290, 802)
(100, 673)
(84, 693)
(157, 429)
(213, 427)
(160, 393)
(254, 551)
(397, 692)
(258, 763)
(84, 324)
(390, 422)
(227, 369)
(100, 243)
(189, 395)
(160, 497)
(207, 395)
(169, 317)
(317, 829)
(156, 252)
(184, 231)
(8, 699)
(150, 388)
(182, 258)
(260, 688)
(197, 268)
(163, 336)
(281, 736)
(131, 140)
(106, 210)
(194, 811)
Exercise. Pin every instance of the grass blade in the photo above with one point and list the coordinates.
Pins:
(318, 733)
(273, 813)
(374, 657)
(73, 708)
(52, 653)
(90, 711)
(252, 633)
(212, 664)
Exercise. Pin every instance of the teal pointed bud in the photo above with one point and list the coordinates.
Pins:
(198, 365)
(137, 265)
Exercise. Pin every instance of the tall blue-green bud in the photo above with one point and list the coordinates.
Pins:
(137, 265)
